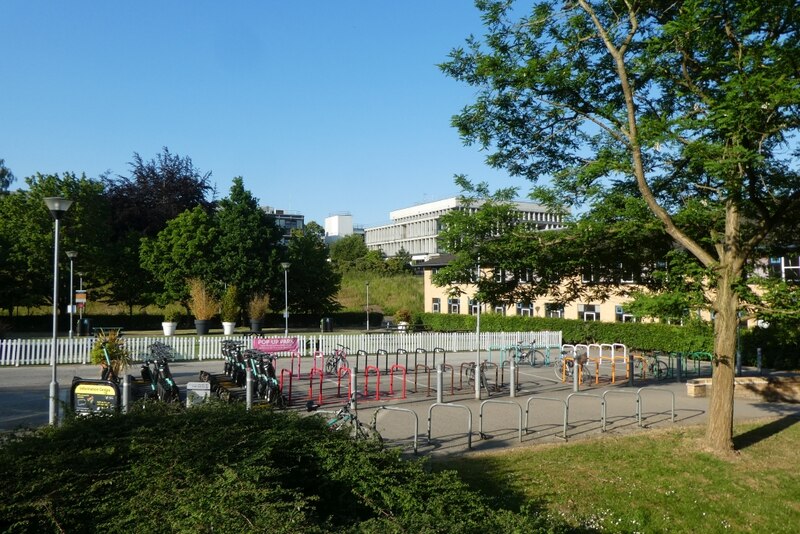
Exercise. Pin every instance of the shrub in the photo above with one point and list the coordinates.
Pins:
(202, 303)
(258, 306)
(229, 306)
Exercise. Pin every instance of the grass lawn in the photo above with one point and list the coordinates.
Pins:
(661, 481)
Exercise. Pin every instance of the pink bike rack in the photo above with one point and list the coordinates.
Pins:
(311, 375)
(319, 359)
(287, 372)
(342, 372)
(402, 369)
(366, 381)
(293, 356)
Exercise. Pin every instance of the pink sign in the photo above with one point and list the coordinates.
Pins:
(275, 344)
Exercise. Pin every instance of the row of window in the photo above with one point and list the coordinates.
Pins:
(586, 312)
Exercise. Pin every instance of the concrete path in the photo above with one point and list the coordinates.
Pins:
(460, 424)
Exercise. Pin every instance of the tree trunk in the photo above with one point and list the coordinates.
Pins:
(719, 432)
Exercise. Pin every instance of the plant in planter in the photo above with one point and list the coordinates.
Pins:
(257, 308)
(229, 309)
(403, 317)
(119, 358)
(172, 315)
(202, 304)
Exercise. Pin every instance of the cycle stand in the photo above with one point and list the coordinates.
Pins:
(460, 406)
(403, 410)
(495, 401)
(549, 399)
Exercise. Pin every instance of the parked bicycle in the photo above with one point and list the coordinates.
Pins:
(262, 367)
(528, 353)
(564, 367)
(651, 365)
(337, 359)
(344, 420)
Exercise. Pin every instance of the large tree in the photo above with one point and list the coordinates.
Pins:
(6, 177)
(682, 102)
(313, 283)
(155, 192)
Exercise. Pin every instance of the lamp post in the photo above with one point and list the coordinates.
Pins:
(478, 335)
(285, 265)
(80, 288)
(71, 254)
(57, 206)
(367, 305)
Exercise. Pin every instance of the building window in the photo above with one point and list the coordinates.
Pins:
(500, 310)
(525, 309)
(454, 305)
(436, 305)
(588, 312)
(473, 306)
(621, 317)
(554, 310)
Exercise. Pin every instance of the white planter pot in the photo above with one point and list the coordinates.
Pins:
(228, 328)
(169, 328)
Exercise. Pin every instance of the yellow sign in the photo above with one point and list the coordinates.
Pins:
(94, 389)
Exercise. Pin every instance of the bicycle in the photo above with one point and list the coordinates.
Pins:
(653, 365)
(529, 353)
(346, 421)
(337, 359)
(564, 367)
(266, 381)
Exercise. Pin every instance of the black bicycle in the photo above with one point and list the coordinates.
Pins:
(157, 375)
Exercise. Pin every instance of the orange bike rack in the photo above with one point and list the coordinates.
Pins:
(340, 374)
(391, 379)
(288, 372)
(321, 374)
(377, 370)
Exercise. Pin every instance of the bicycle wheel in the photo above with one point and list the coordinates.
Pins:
(366, 433)
(661, 370)
(558, 368)
(534, 354)
(330, 366)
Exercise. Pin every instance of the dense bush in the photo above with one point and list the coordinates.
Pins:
(220, 468)
(641, 336)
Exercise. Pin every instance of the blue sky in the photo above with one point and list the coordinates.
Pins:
(322, 107)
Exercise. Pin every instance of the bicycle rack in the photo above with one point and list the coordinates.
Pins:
(319, 356)
(439, 350)
(311, 375)
(359, 354)
(288, 372)
(377, 370)
(469, 366)
(569, 398)
(446, 366)
(385, 354)
(492, 348)
(397, 354)
(427, 370)
(339, 375)
(551, 399)
(641, 401)
(487, 365)
(638, 413)
(511, 403)
(292, 357)
(502, 372)
(469, 419)
(405, 410)
(419, 351)
(391, 379)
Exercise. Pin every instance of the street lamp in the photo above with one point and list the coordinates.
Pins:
(367, 305)
(285, 265)
(71, 254)
(478, 334)
(57, 206)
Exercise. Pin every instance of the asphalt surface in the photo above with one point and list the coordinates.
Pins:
(460, 424)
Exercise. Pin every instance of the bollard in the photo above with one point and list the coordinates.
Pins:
(758, 360)
(738, 360)
(679, 367)
(630, 371)
(513, 380)
(354, 393)
(576, 375)
(439, 382)
(249, 390)
(126, 393)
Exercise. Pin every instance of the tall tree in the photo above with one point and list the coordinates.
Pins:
(26, 232)
(313, 282)
(685, 101)
(156, 192)
(6, 177)
(248, 249)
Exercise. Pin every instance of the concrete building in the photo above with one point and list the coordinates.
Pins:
(416, 229)
(339, 226)
(286, 221)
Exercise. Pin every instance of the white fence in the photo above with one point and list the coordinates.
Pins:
(76, 350)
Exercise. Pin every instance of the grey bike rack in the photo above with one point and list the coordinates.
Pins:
(551, 399)
(494, 401)
(569, 398)
(405, 410)
(638, 413)
(469, 420)
(126, 392)
(641, 402)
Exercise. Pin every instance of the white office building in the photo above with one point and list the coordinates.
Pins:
(416, 229)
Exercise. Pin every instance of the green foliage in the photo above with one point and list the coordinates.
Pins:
(221, 468)
(6, 177)
(638, 336)
(346, 252)
(202, 302)
(118, 354)
(313, 282)
(387, 293)
(229, 304)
